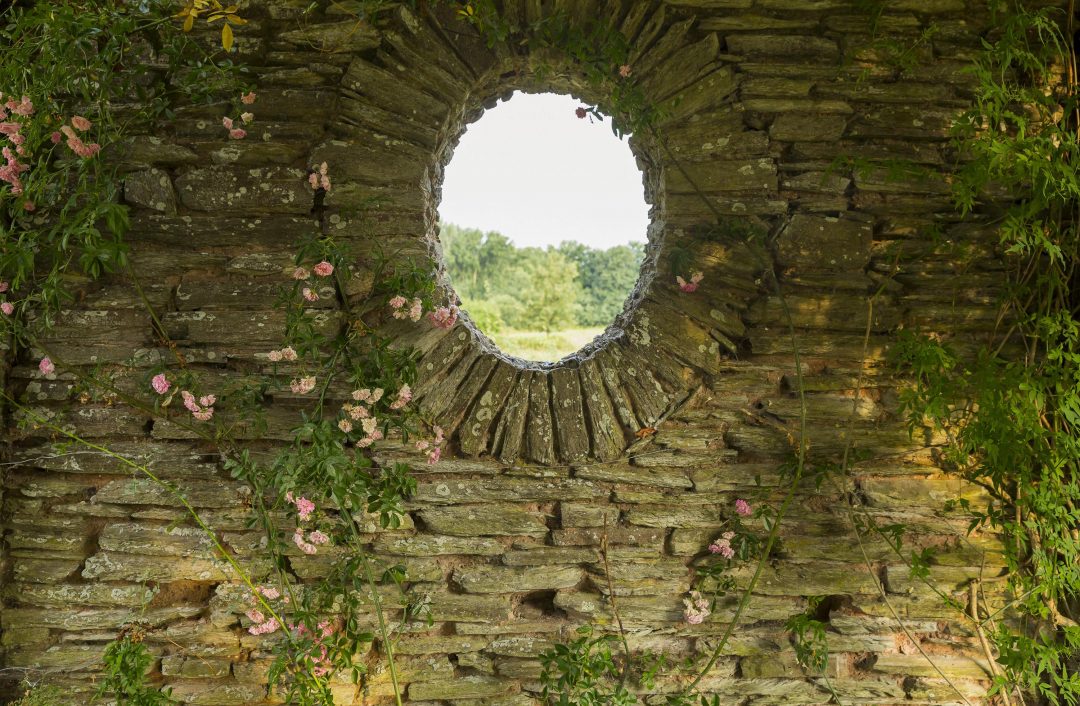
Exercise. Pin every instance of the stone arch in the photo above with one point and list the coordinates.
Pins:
(419, 90)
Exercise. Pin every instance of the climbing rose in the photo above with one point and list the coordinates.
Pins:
(398, 302)
(742, 507)
(404, 395)
(80, 123)
(274, 356)
(304, 508)
(624, 70)
(288, 353)
(248, 99)
(269, 592)
(7, 308)
(692, 285)
(323, 269)
(317, 537)
(305, 546)
(303, 385)
(55, 138)
(227, 122)
(264, 628)
(344, 425)
(580, 112)
(237, 133)
(695, 608)
(300, 273)
(309, 295)
(247, 117)
(4, 286)
(46, 366)
(722, 546)
(160, 384)
(444, 317)
(24, 108)
(416, 310)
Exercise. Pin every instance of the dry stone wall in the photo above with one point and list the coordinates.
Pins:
(547, 462)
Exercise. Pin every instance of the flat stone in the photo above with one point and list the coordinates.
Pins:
(514, 579)
(483, 520)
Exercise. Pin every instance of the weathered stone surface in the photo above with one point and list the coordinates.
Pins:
(473, 520)
(805, 237)
(515, 579)
(150, 188)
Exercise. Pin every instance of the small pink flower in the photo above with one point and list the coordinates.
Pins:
(227, 123)
(304, 545)
(742, 507)
(288, 353)
(300, 273)
(46, 366)
(323, 269)
(207, 400)
(313, 180)
(80, 123)
(695, 608)
(274, 356)
(248, 99)
(581, 112)
(269, 592)
(302, 386)
(189, 401)
(624, 70)
(204, 415)
(4, 286)
(24, 108)
(304, 508)
(416, 310)
(444, 317)
(29, 206)
(398, 302)
(404, 396)
(344, 425)
(722, 547)
(317, 537)
(160, 384)
(434, 456)
(264, 628)
(247, 117)
(237, 133)
(7, 308)
(309, 295)
(255, 615)
(55, 138)
(690, 286)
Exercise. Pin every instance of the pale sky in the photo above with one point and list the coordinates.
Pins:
(532, 170)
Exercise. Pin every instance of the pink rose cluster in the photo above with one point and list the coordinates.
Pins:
(403, 397)
(160, 383)
(303, 385)
(742, 507)
(203, 409)
(692, 285)
(12, 132)
(433, 447)
(7, 307)
(414, 311)
(287, 354)
(319, 178)
(233, 126)
(310, 543)
(323, 269)
(46, 366)
(444, 317)
(722, 546)
(696, 608)
(261, 625)
(363, 414)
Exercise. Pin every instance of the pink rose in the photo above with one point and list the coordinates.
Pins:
(7, 308)
(227, 122)
(237, 133)
(323, 269)
(248, 99)
(46, 366)
(80, 123)
(742, 507)
(160, 384)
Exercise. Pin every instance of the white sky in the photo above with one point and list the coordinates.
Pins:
(532, 170)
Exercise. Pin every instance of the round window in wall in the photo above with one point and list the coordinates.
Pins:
(543, 225)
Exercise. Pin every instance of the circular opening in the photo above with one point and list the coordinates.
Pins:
(543, 225)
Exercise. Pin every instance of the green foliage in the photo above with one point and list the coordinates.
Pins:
(78, 59)
(532, 289)
(126, 663)
(1012, 410)
(40, 696)
(584, 672)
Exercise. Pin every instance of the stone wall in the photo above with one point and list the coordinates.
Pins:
(546, 462)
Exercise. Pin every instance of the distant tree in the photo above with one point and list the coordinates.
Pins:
(607, 277)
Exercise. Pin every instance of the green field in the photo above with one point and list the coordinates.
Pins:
(540, 346)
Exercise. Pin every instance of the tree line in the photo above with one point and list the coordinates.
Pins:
(503, 286)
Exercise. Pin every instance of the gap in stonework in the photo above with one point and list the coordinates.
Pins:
(543, 225)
